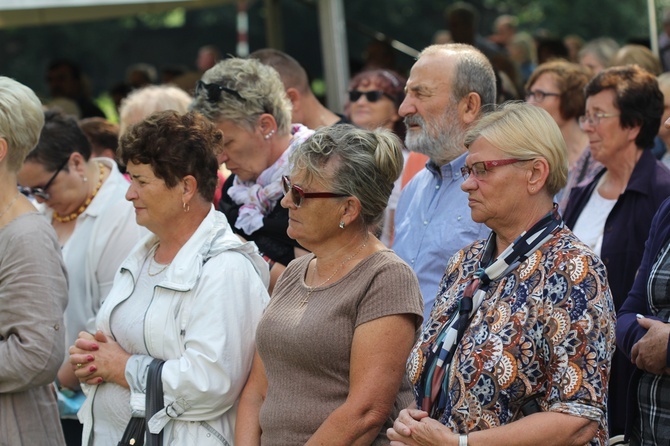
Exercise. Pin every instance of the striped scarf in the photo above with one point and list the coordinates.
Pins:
(434, 379)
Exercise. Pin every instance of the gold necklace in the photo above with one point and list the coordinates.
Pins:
(151, 261)
(64, 219)
(310, 289)
(11, 203)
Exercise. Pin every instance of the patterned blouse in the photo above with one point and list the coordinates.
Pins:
(545, 330)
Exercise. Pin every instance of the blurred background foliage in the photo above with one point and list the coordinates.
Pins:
(106, 48)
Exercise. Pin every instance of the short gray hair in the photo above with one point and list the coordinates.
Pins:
(367, 163)
(260, 90)
(21, 121)
(146, 101)
(524, 131)
(473, 72)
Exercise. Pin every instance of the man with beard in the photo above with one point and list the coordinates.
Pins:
(446, 90)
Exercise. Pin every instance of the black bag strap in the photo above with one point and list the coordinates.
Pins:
(154, 400)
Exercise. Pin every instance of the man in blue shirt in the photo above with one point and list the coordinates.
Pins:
(447, 88)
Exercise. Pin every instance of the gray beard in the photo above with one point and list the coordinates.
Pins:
(446, 143)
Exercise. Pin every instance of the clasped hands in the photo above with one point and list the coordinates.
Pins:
(414, 427)
(650, 353)
(97, 358)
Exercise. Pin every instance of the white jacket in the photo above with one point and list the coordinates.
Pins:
(202, 322)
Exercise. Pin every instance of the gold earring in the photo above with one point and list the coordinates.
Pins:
(185, 206)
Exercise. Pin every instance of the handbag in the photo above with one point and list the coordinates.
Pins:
(134, 435)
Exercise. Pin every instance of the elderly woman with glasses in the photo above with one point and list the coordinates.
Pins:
(247, 101)
(558, 87)
(33, 286)
(333, 341)
(169, 301)
(518, 345)
(374, 99)
(612, 214)
(85, 204)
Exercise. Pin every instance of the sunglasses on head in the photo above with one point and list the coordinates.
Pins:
(214, 91)
(298, 195)
(41, 192)
(371, 96)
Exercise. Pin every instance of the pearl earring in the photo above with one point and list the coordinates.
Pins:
(269, 135)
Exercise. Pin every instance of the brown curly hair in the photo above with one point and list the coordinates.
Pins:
(175, 146)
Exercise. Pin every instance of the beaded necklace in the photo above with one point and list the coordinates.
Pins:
(67, 218)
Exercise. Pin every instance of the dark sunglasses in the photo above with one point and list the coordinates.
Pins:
(371, 96)
(41, 192)
(214, 91)
(298, 195)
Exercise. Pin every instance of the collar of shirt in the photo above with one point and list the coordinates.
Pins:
(450, 170)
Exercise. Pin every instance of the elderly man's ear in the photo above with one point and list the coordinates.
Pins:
(469, 108)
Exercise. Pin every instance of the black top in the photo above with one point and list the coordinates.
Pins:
(271, 238)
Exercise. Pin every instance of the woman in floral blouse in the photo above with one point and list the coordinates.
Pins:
(518, 346)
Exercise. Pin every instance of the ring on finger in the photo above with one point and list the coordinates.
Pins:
(80, 366)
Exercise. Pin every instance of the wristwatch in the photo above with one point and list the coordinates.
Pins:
(463, 440)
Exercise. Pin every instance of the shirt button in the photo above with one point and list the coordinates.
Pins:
(425, 222)
(459, 218)
(437, 187)
(57, 327)
(412, 261)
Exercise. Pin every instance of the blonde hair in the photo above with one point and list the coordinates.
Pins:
(525, 132)
(21, 121)
(146, 101)
(637, 55)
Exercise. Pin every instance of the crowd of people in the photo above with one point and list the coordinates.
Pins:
(234, 263)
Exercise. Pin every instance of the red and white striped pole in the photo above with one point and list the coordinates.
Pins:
(242, 29)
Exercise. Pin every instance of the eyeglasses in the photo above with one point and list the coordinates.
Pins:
(298, 195)
(41, 192)
(371, 96)
(479, 169)
(214, 91)
(539, 95)
(594, 120)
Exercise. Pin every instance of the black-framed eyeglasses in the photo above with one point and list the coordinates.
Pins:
(41, 192)
(214, 91)
(298, 195)
(371, 96)
(479, 169)
(539, 95)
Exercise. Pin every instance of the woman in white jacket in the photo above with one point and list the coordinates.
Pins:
(190, 294)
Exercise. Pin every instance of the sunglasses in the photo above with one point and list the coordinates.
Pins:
(214, 91)
(41, 192)
(371, 96)
(298, 195)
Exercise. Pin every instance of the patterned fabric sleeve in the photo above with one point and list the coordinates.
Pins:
(580, 330)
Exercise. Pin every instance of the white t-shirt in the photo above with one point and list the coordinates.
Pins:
(111, 409)
(590, 225)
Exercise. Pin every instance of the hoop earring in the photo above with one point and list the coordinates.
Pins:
(185, 206)
(341, 224)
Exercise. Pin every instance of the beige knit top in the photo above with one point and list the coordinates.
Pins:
(306, 349)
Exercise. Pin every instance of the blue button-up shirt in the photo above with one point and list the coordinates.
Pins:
(433, 222)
